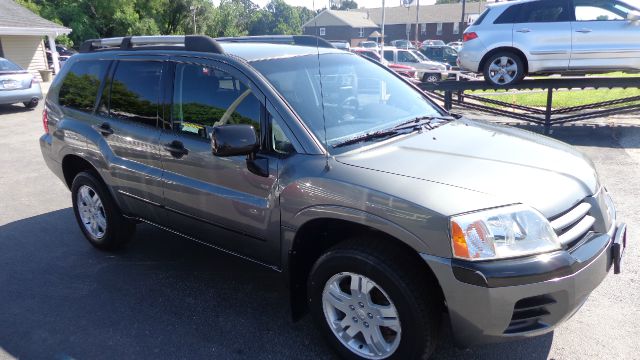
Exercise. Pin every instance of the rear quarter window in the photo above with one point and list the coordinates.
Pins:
(80, 86)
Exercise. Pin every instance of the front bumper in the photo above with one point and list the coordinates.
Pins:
(524, 297)
(21, 95)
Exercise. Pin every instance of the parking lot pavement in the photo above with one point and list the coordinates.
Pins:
(166, 298)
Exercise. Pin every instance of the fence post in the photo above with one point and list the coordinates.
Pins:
(448, 99)
(547, 115)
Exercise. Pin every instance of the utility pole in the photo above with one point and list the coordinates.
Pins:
(382, 47)
(417, 19)
(464, 20)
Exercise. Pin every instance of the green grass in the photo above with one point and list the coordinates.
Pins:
(565, 98)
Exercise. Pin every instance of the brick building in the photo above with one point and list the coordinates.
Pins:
(435, 22)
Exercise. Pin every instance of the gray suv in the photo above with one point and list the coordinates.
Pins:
(383, 213)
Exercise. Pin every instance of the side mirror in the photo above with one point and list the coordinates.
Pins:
(233, 140)
(633, 15)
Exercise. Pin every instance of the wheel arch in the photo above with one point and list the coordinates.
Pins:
(512, 49)
(304, 245)
(72, 165)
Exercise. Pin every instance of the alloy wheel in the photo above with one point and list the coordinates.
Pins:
(361, 315)
(503, 70)
(91, 211)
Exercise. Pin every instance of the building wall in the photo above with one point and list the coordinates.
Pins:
(341, 33)
(26, 51)
(392, 32)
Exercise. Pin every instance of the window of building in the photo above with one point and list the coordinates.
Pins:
(456, 28)
(80, 87)
(361, 32)
(423, 29)
(135, 91)
(204, 97)
(322, 32)
(439, 29)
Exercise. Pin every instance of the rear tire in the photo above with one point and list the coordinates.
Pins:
(31, 103)
(431, 78)
(99, 218)
(504, 68)
(351, 318)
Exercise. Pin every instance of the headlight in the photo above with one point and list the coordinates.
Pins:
(501, 233)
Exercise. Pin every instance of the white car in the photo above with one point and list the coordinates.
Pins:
(427, 71)
(513, 39)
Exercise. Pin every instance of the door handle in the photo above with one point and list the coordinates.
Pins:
(104, 129)
(523, 30)
(176, 148)
(584, 31)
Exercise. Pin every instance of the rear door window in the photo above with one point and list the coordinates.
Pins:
(388, 55)
(81, 84)
(545, 11)
(135, 91)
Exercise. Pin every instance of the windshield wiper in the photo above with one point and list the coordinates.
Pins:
(368, 136)
(414, 124)
(421, 122)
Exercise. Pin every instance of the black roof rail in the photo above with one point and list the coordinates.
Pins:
(199, 43)
(303, 40)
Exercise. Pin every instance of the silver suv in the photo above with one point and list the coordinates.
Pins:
(513, 39)
(382, 213)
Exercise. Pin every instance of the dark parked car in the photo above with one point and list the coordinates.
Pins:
(382, 212)
(18, 85)
(441, 53)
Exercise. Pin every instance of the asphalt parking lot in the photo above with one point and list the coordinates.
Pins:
(167, 298)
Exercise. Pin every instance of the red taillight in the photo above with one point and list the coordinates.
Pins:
(469, 36)
(45, 120)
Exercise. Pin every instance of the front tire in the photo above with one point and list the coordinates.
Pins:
(503, 68)
(431, 78)
(99, 218)
(369, 300)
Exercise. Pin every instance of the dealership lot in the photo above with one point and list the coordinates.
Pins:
(164, 297)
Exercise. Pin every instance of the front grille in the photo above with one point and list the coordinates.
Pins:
(529, 313)
(574, 224)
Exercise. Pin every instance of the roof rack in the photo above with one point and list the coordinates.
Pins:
(199, 43)
(303, 40)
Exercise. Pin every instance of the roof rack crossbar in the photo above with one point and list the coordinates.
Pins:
(303, 40)
(199, 43)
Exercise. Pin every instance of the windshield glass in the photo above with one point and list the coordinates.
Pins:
(6, 65)
(420, 55)
(356, 96)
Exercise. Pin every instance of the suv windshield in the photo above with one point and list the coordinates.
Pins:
(356, 96)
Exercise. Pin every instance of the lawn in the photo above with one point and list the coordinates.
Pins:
(563, 98)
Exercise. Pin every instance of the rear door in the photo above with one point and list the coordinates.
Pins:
(219, 200)
(127, 118)
(603, 38)
(542, 30)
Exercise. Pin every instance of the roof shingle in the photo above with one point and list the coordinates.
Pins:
(13, 15)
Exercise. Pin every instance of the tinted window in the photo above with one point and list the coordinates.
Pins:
(279, 141)
(388, 55)
(480, 19)
(135, 91)
(536, 12)
(205, 97)
(80, 87)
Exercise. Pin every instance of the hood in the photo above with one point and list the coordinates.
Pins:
(428, 65)
(514, 165)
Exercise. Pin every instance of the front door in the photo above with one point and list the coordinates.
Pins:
(603, 38)
(218, 200)
(543, 30)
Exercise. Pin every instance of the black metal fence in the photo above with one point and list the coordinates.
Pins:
(548, 116)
